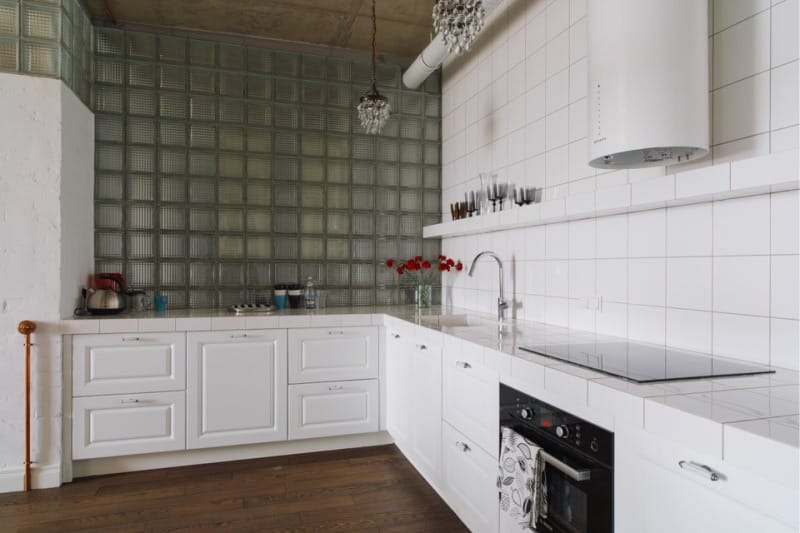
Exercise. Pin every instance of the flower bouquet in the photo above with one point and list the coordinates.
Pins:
(421, 272)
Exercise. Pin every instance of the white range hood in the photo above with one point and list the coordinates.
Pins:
(648, 82)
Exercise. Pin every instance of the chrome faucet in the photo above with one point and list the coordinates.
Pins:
(502, 304)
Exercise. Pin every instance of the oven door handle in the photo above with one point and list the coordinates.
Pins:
(583, 474)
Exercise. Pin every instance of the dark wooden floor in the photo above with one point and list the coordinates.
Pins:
(365, 490)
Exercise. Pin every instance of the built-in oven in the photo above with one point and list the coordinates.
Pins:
(579, 463)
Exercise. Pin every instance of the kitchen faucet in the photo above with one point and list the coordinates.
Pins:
(502, 304)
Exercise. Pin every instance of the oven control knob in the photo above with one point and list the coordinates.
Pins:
(526, 413)
(562, 432)
(594, 445)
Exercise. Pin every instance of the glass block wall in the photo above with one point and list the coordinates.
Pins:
(47, 38)
(224, 169)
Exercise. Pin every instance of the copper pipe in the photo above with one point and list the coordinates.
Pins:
(26, 327)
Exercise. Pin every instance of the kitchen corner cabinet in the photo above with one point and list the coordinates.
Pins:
(236, 388)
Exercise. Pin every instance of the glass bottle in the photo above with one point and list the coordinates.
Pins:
(310, 294)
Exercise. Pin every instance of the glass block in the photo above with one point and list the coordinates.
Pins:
(388, 248)
(432, 129)
(313, 66)
(388, 175)
(391, 128)
(337, 274)
(201, 246)
(259, 114)
(172, 218)
(231, 166)
(66, 32)
(433, 84)
(40, 21)
(387, 199)
(109, 128)
(230, 297)
(202, 53)
(287, 91)
(202, 299)
(231, 111)
(259, 60)
(338, 171)
(363, 147)
(430, 220)
(433, 106)
(410, 200)
(337, 249)
(172, 245)
(109, 157)
(231, 57)
(432, 152)
(285, 273)
(231, 273)
(363, 199)
(201, 274)
(109, 71)
(141, 74)
(9, 17)
(231, 84)
(66, 68)
(312, 248)
(287, 169)
(362, 275)
(286, 117)
(230, 219)
(313, 118)
(202, 108)
(284, 248)
(311, 222)
(231, 246)
(140, 45)
(339, 95)
(259, 194)
(338, 197)
(172, 274)
(313, 144)
(140, 217)
(410, 127)
(258, 140)
(313, 93)
(339, 120)
(141, 131)
(363, 224)
(409, 247)
(286, 64)
(410, 225)
(141, 188)
(231, 138)
(386, 224)
(8, 54)
(172, 105)
(108, 244)
(431, 201)
(337, 70)
(312, 196)
(363, 249)
(172, 49)
(109, 187)
(363, 173)
(171, 133)
(258, 274)
(410, 104)
(141, 102)
(258, 220)
(388, 75)
(338, 146)
(203, 136)
(286, 143)
(338, 223)
(259, 247)
(431, 177)
(315, 270)
(172, 161)
(259, 87)
(141, 159)
(40, 58)
(410, 152)
(285, 221)
(259, 168)
(362, 74)
(108, 99)
(140, 245)
(387, 150)
(202, 191)
(172, 77)
(203, 81)
(230, 192)
(410, 176)
(312, 170)
(286, 194)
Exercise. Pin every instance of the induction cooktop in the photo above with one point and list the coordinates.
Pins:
(646, 363)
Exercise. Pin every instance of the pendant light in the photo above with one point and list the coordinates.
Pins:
(459, 22)
(373, 108)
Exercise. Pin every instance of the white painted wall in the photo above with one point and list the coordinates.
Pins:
(720, 277)
(41, 140)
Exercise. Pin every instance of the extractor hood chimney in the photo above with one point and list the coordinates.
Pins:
(648, 82)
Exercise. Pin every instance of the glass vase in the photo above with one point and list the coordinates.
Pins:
(423, 295)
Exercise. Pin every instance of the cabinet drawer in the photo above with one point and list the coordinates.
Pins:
(120, 364)
(336, 408)
(332, 354)
(470, 481)
(106, 426)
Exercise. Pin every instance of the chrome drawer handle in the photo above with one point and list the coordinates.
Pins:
(335, 387)
(336, 333)
(463, 446)
(129, 400)
(245, 336)
(421, 347)
(463, 364)
(698, 468)
(131, 339)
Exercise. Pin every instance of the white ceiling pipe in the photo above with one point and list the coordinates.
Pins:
(435, 54)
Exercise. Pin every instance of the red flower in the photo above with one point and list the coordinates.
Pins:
(442, 267)
(410, 264)
(426, 264)
(459, 266)
(390, 262)
(418, 258)
(400, 270)
(450, 262)
(442, 257)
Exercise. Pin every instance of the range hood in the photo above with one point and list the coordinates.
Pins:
(648, 82)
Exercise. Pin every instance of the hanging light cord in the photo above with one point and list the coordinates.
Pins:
(374, 33)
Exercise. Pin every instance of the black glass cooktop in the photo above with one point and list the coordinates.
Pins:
(646, 363)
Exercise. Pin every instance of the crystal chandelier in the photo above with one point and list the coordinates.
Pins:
(459, 22)
(373, 108)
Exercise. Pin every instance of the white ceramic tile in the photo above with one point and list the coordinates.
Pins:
(689, 329)
(579, 202)
(264, 322)
(612, 197)
(707, 180)
(741, 336)
(689, 283)
(581, 278)
(741, 109)
(646, 281)
(785, 229)
(193, 324)
(516, 51)
(557, 87)
(582, 239)
(535, 138)
(785, 286)
(646, 323)
(557, 241)
(534, 242)
(579, 169)
(534, 277)
(556, 311)
(581, 315)
(557, 52)
(784, 100)
(552, 208)
(784, 32)
(557, 278)
(785, 343)
(741, 285)
(119, 325)
(535, 73)
(647, 233)
(557, 18)
(151, 325)
(557, 128)
(655, 190)
(784, 139)
(742, 50)
(578, 80)
(535, 34)
(227, 322)
(729, 12)
(612, 236)
(577, 121)
(781, 167)
(612, 280)
(755, 146)
(577, 10)
(534, 308)
(689, 230)
(741, 226)
(76, 326)
(612, 319)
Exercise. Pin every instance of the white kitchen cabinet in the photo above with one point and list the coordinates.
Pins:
(469, 481)
(333, 408)
(133, 363)
(398, 387)
(107, 426)
(425, 449)
(236, 388)
(653, 494)
(332, 354)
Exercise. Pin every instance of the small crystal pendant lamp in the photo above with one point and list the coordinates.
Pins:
(373, 108)
(459, 22)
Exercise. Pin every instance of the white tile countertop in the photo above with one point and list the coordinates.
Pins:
(723, 417)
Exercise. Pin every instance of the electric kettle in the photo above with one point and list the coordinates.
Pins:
(107, 301)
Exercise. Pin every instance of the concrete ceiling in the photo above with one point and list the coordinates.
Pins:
(404, 26)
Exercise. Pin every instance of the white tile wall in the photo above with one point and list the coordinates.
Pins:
(718, 276)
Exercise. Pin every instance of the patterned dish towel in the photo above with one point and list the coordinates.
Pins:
(521, 483)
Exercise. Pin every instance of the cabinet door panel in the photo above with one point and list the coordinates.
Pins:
(398, 390)
(236, 388)
(335, 408)
(426, 412)
(332, 354)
